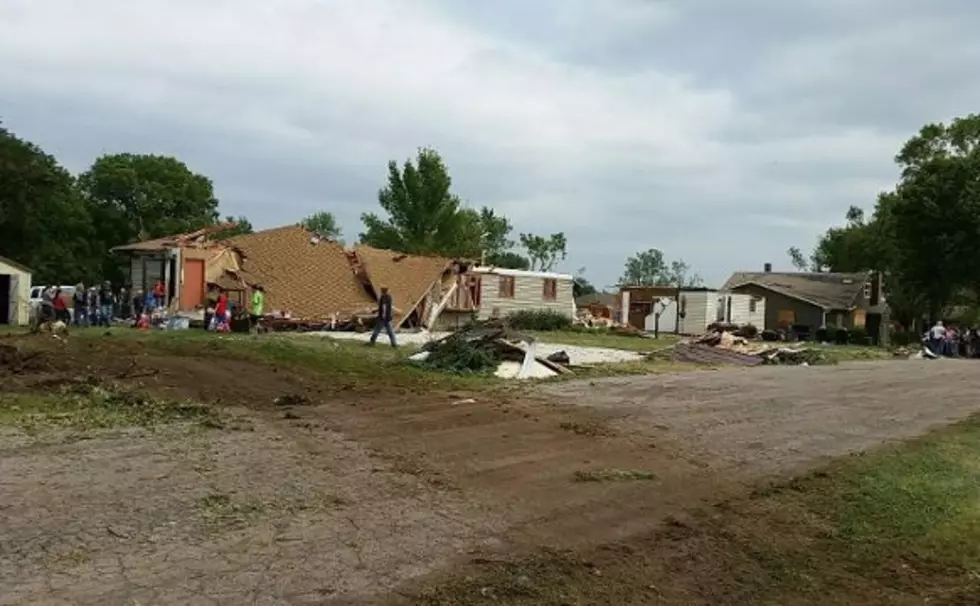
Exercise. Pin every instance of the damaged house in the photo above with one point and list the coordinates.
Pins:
(802, 302)
(317, 281)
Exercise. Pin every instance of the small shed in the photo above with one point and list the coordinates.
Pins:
(15, 293)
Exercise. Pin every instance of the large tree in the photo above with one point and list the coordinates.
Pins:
(544, 253)
(322, 223)
(43, 222)
(650, 268)
(138, 196)
(241, 227)
(922, 234)
(424, 216)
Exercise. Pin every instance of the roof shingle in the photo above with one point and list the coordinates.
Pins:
(308, 277)
(408, 277)
(825, 290)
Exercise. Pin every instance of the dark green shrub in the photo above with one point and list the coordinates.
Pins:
(859, 336)
(841, 336)
(770, 335)
(535, 319)
(461, 357)
(902, 338)
(821, 334)
(749, 331)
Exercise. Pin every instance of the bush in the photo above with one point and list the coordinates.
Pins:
(841, 336)
(535, 319)
(770, 335)
(749, 331)
(821, 335)
(859, 336)
(902, 338)
(462, 357)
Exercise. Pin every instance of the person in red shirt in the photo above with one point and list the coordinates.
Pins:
(59, 306)
(221, 310)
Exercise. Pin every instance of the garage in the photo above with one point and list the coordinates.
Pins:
(15, 293)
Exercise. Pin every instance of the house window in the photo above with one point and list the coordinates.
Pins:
(867, 291)
(752, 305)
(506, 287)
(550, 289)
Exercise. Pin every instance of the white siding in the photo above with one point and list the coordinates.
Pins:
(528, 295)
(738, 309)
(700, 311)
(668, 318)
(18, 312)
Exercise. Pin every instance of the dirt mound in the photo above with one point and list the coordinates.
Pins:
(15, 360)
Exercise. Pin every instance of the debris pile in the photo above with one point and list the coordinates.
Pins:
(491, 346)
(723, 347)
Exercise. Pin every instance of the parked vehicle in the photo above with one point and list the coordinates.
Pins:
(37, 297)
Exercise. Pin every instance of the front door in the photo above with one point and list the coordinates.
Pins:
(192, 288)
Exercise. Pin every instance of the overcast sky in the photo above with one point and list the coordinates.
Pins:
(719, 131)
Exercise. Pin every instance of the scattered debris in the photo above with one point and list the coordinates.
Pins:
(293, 399)
(491, 346)
(724, 347)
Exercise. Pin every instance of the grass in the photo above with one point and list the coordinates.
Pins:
(853, 353)
(614, 475)
(85, 406)
(900, 525)
(347, 364)
(605, 339)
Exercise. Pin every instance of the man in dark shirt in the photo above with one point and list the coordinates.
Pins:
(383, 320)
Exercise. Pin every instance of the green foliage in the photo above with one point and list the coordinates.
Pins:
(322, 223)
(424, 216)
(545, 253)
(534, 319)
(242, 226)
(858, 336)
(509, 260)
(139, 196)
(580, 286)
(650, 268)
(797, 259)
(459, 356)
(922, 233)
(44, 223)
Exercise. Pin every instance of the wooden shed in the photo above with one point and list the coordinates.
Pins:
(15, 293)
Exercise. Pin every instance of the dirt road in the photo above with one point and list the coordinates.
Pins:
(354, 490)
(779, 419)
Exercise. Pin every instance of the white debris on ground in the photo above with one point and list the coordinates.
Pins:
(577, 354)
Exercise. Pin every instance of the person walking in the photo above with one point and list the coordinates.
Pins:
(383, 319)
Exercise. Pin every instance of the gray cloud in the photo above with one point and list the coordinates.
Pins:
(720, 132)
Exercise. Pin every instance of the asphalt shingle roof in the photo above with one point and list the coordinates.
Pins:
(826, 290)
(309, 277)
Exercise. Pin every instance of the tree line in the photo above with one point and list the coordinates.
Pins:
(924, 234)
(63, 225)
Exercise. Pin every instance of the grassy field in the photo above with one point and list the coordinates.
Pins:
(900, 525)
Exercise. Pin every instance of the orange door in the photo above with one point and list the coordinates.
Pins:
(192, 288)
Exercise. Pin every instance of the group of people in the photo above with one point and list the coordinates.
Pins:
(219, 309)
(951, 341)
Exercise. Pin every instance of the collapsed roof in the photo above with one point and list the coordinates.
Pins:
(302, 273)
